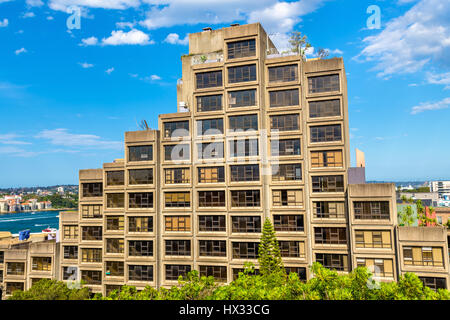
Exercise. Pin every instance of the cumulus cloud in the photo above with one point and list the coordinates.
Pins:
(132, 37)
(409, 42)
(439, 78)
(62, 5)
(4, 23)
(174, 38)
(155, 77)
(426, 106)
(28, 15)
(109, 71)
(62, 137)
(34, 3)
(91, 41)
(123, 25)
(19, 51)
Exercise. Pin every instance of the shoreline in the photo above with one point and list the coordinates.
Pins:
(42, 210)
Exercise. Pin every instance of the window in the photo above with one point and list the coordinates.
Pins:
(379, 267)
(178, 247)
(283, 198)
(211, 198)
(300, 271)
(327, 184)
(91, 277)
(91, 255)
(434, 283)
(178, 223)
(326, 83)
(140, 176)
(292, 249)
(212, 248)
(423, 256)
(115, 178)
(13, 286)
(326, 159)
(70, 232)
(140, 224)
(114, 268)
(173, 272)
(248, 172)
(115, 245)
(236, 272)
(70, 273)
(91, 211)
(70, 252)
(177, 175)
(177, 199)
(330, 235)
(248, 224)
(208, 79)
(176, 152)
(140, 273)
(115, 223)
(283, 73)
(244, 148)
(211, 174)
(245, 250)
(241, 49)
(287, 172)
(209, 127)
(285, 147)
(92, 189)
(242, 73)
(324, 108)
(218, 272)
(245, 198)
(211, 223)
(140, 153)
(287, 122)
(371, 210)
(140, 200)
(140, 248)
(210, 150)
(284, 98)
(328, 133)
(176, 129)
(288, 222)
(115, 200)
(41, 264)
(244, 123)
(91, 233)
(373, 239)
(328, 210)
(2, 256)
(15, 268)
(338, 262)
(209, 103)
(242, 98)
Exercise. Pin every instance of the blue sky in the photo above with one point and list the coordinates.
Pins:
(68, 96)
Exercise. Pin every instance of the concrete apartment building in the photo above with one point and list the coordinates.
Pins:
(257, 134)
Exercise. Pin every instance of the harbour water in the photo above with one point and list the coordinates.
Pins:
(36, 221)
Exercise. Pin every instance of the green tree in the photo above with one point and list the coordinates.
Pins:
(269, 256)
(47, 289)
(299, 43)
(406, 216)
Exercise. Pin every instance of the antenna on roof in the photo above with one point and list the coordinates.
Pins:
(143, 125)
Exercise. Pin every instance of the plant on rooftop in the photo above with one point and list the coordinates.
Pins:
(299, 43)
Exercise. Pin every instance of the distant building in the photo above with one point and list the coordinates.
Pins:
(430, 199)
(441, 187)
(61, 190)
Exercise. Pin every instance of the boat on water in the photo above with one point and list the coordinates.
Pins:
(49, 230)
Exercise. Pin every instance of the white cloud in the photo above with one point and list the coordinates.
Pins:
(17, 152)
(123, 25)
(50, 18)
(132, 37)
(11, 138)
(85, 65)
(62, 5)
(61, 137)
(28, 15)
(439, 78)
(174, 38)
(4, 23)
(91, 41)
(19, 51)
(35, 3)
(420, 36)
(109, 71)
(155, 77)
(2, 1)
(425, 106)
